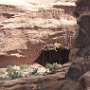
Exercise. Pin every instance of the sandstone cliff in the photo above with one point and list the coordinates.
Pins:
(25, 28)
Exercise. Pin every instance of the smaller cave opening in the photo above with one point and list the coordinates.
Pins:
(53, 54)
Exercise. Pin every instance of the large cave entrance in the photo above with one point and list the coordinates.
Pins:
(52, 54)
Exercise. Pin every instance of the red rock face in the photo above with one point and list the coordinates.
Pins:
(26, 28)
(80, 53)
(84, 82)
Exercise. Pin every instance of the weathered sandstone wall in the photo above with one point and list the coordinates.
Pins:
(26, 28)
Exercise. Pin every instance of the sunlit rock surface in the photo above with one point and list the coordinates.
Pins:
(25, 28)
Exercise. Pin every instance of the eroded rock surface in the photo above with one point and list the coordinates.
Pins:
(34, 83)
(84, 82)
(80, 52)
(25, 28)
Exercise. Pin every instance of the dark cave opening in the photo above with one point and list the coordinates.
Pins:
(55, 55)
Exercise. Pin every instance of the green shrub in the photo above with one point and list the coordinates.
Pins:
(4, 78)
(34, 72)
(24, 66)
(14, 74)
(52, 67)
